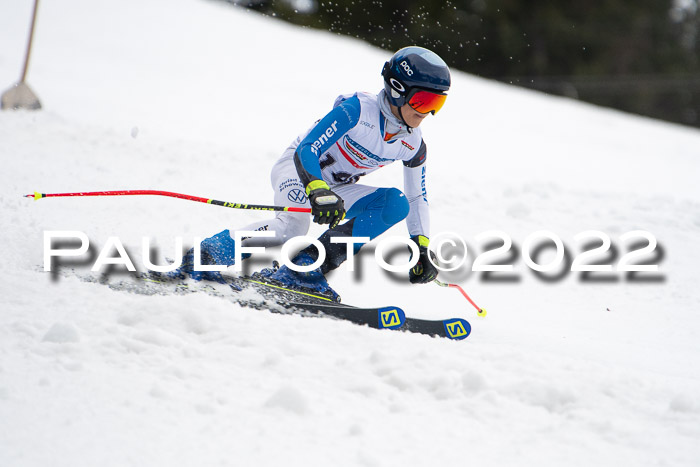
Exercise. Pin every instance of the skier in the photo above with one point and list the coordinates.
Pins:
(320, 169)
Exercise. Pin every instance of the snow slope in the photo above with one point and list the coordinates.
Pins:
(201, 98)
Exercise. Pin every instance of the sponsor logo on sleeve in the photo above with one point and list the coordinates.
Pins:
(297, 196)
(330, 131)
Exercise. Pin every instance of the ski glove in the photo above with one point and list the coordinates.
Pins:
(326, 206)
(424, 271)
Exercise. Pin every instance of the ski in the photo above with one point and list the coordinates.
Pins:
(279, 299)
(277, 291)
(392, 318)
(378, 318)
(453, 328)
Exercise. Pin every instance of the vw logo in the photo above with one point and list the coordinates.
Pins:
(297, 196)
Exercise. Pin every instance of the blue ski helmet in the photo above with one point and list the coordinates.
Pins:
(414, 68)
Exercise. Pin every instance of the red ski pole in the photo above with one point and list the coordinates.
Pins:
(479, 311)
(226, 204)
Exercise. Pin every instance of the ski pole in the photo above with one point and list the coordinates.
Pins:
(479, 311)
(226, 204)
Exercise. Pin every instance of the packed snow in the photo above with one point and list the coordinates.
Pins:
(201, 98)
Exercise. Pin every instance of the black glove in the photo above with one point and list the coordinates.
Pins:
(326, 206)
(424, 271)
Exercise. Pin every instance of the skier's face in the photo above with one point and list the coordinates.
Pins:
(411, 116)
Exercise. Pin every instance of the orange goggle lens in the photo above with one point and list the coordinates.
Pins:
(426, 101)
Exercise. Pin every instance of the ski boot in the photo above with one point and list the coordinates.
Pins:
(219, 249)
(313, 282)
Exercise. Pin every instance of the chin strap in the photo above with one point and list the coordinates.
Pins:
(408, 127)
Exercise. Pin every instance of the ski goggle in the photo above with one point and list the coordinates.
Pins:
(425, 101)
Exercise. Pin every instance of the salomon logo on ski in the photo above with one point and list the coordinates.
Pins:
(391, 318)
(457, 328)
